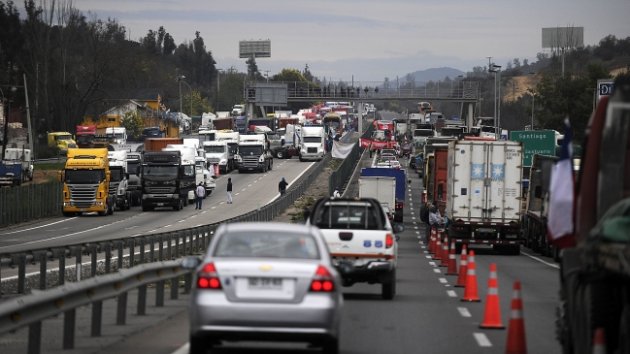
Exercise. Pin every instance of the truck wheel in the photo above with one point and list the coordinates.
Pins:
(146, 207)
(388, 289)
(301, 159)
(270, 164)
(280, 154)
(179, 205)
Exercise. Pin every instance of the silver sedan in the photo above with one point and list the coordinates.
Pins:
(266, 282)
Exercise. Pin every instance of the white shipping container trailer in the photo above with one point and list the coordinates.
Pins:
(382, 189)
(484, 193)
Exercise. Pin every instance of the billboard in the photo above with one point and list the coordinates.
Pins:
(604, 88)
(256, 49)
(542, 142)
(562, 37)
(268, 94)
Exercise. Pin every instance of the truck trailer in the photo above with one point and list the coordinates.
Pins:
(401, 185)
(484, 193)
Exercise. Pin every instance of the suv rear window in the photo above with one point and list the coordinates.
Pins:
(344, 215)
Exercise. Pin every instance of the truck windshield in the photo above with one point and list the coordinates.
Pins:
(84, 176)
(312, 139)
(64, 137)
(132, 167)
(423, 132)
(159, 172)
(250, 150)
(214, 149)
(117, 174)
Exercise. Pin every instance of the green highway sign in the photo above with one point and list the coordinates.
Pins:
(542, 142)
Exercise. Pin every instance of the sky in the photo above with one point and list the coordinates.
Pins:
(367, 40)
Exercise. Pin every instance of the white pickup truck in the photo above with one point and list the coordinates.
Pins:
(361, 240)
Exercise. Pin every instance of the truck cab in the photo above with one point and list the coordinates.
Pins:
(61, 140)
(254, 153)
(86, 178)
(313, 143)
(134, 162)
(166, 182)
(116, 135)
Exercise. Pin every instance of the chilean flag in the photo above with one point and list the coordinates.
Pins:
(561, 194)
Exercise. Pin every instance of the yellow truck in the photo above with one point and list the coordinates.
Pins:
(61, 140)
(86, 179)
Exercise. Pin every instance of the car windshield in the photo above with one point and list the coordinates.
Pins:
(267, 244)
(132, 166)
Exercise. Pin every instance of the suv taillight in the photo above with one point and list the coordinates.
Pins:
(322, 281)
(208, 278)
(389, 241)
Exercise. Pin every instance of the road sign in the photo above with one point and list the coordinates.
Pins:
(604, 88)
(542, 142)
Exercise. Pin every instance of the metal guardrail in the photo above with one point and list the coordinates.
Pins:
(33, 309)
(342, 175)
(150, 248)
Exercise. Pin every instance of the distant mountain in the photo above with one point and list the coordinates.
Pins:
(435, 74)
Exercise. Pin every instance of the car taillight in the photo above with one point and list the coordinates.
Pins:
(208, 278)
(322, 281)
(389, 241)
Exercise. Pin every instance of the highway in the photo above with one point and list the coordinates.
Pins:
(251, 191)
(426, 315)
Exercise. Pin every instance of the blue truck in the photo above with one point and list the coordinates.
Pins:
(10, 174)
(401, 185)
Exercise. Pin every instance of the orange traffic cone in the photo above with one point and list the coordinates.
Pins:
(463, 268)
(516, 331)
(452, 262)
(444, 257)
(431, 240)
(438, 249)
(492, 313)
(599, 341)
(470, 291)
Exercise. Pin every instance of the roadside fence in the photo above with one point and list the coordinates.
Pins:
(29, 202)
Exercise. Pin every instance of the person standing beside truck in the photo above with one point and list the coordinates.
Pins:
(200, 192)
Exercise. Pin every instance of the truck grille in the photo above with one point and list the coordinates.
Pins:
(311, 150)
(250, 161)
(213, 160)
(113, 188)
(160, 190)
(82, 195)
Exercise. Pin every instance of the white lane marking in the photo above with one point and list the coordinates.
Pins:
(482, 340)
(429, 256)
(37, 227)
(451, 293)
(182, 220)
(415, 227)
(243, 190)
(131, 227)
(540, 260)
(214, 207)
(418, 232)
(237, 193)
(437, 270)
(413, 218)
(433, 264)
(443, 280)
(249, 185)
(165, 226)
(464, 312)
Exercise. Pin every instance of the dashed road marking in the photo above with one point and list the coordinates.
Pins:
(482, 340)
(443, 280)
(451, 293)
(429, 256)
(433, 264)
(464, 312)
(437, 270)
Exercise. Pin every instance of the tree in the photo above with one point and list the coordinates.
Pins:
(252, 68)
(132, 121)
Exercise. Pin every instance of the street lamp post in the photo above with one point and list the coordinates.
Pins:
(493, 68)
(533, 100)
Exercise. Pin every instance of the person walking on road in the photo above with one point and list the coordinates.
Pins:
(282, 186)
(229, 191)
(200, 193)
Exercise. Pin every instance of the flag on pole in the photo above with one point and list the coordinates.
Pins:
(561, 194)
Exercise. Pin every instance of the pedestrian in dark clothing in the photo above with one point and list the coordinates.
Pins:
(229, 191)
(282, 186)
(200, 192)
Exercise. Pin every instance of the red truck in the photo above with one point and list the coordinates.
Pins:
(595, 270)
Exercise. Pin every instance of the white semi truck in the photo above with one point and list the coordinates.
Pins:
(313, 143)
(119, 183)
(254, 153)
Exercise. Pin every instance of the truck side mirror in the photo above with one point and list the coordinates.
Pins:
(126, 175)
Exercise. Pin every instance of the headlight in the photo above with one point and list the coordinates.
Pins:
(261, 158)
(223, 162)
(237, 158)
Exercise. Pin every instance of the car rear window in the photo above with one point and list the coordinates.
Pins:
(347, 216)
(272, 244)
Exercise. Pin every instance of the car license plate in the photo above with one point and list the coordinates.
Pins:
(265, 288)
(265, 283)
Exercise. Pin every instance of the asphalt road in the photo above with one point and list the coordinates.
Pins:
(426, 315)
